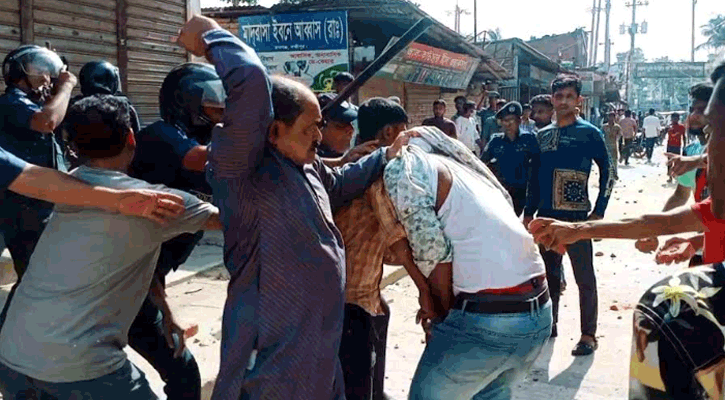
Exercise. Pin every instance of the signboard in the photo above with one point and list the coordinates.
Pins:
(670, 70)
(313, 47)
(428, 65)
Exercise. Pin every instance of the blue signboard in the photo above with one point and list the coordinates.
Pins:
(295, 32)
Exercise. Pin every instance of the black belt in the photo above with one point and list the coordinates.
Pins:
(500, 304)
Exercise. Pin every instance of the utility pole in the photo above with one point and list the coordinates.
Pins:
(692, 52)
(632, 34)
(591, 37)
(475, 21)
(596, 36)
(607, 38)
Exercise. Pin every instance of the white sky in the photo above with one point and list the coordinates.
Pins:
(668, 31)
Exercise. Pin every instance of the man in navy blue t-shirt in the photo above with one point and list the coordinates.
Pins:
(560, 191)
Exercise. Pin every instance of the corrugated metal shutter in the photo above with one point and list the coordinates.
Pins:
(80, 31)
(379, 87)
(151, 54)
(419, 101)
(9, 30)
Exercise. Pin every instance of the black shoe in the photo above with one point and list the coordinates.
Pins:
(554, 333)
(584, 349)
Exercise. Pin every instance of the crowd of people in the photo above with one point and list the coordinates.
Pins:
(479, 210)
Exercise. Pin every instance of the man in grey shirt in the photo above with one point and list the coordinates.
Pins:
(68, 323)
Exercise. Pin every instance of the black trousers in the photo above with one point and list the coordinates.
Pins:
(362, 352)
(180, 375)
(518, 195)
(146, 336)
(582, 261)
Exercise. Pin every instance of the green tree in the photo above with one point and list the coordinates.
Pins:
(637, 56)
(714, 30)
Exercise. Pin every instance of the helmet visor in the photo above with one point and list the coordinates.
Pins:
(38, 62)
(212, 93)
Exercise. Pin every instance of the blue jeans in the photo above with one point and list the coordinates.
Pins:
(480, 356)
(128, 382)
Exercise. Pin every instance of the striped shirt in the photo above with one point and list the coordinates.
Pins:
(285, 255)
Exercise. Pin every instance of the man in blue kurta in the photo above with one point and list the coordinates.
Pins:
(283, 317)
(560, 191)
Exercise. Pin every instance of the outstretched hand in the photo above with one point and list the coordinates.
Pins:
(360, 151)
(680, 165)
(157, 206)
(675, 250)
(647, 245)
(553, 234)
(403, 138)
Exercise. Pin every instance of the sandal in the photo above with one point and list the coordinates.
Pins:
(584, 349)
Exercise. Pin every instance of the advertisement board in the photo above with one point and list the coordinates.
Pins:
(670, 70)
(427, 65)
(312, 47)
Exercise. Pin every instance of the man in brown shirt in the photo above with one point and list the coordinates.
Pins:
(371, 233)
(629, 132)
(440, 121)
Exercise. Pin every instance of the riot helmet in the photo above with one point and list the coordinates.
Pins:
(185, 92)
(99, 77)
(31, 60)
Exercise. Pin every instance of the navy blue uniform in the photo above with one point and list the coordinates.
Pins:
(160, 151)
(23, 219)
(10, 169)
(512, 162)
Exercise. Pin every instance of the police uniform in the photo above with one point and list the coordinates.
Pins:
(23, 219)
(512, 160)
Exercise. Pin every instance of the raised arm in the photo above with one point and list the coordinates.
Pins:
(238, 146)
(600, 156)
(53, 112)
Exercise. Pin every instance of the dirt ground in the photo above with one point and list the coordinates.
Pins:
(623, 275)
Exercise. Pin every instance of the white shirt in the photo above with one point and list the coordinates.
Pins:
(651, 126)
(491, 247)
(467, 133)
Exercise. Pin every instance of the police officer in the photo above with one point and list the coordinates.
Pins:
(512, 154)
(173, 152)
(338, 129)
(34, 104)
(99, 77)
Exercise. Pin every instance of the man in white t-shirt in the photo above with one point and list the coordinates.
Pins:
(651, 132)
(466, 127)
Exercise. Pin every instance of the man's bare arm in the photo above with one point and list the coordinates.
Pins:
(214, 223)
(53, 112)
(60, 188)
(404, 254)
(441, 286)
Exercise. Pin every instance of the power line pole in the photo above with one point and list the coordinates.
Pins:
(591, 37)
(475, 21)
(692, 52)
(607, 38)
(596, 37)
(632, 32)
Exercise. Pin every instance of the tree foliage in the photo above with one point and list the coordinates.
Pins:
(714, 30)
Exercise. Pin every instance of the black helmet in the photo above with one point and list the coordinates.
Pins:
(99, 77)
(185, 91)
(31, 60)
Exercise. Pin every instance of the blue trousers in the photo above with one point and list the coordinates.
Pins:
(128, 382)
(480, 356)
